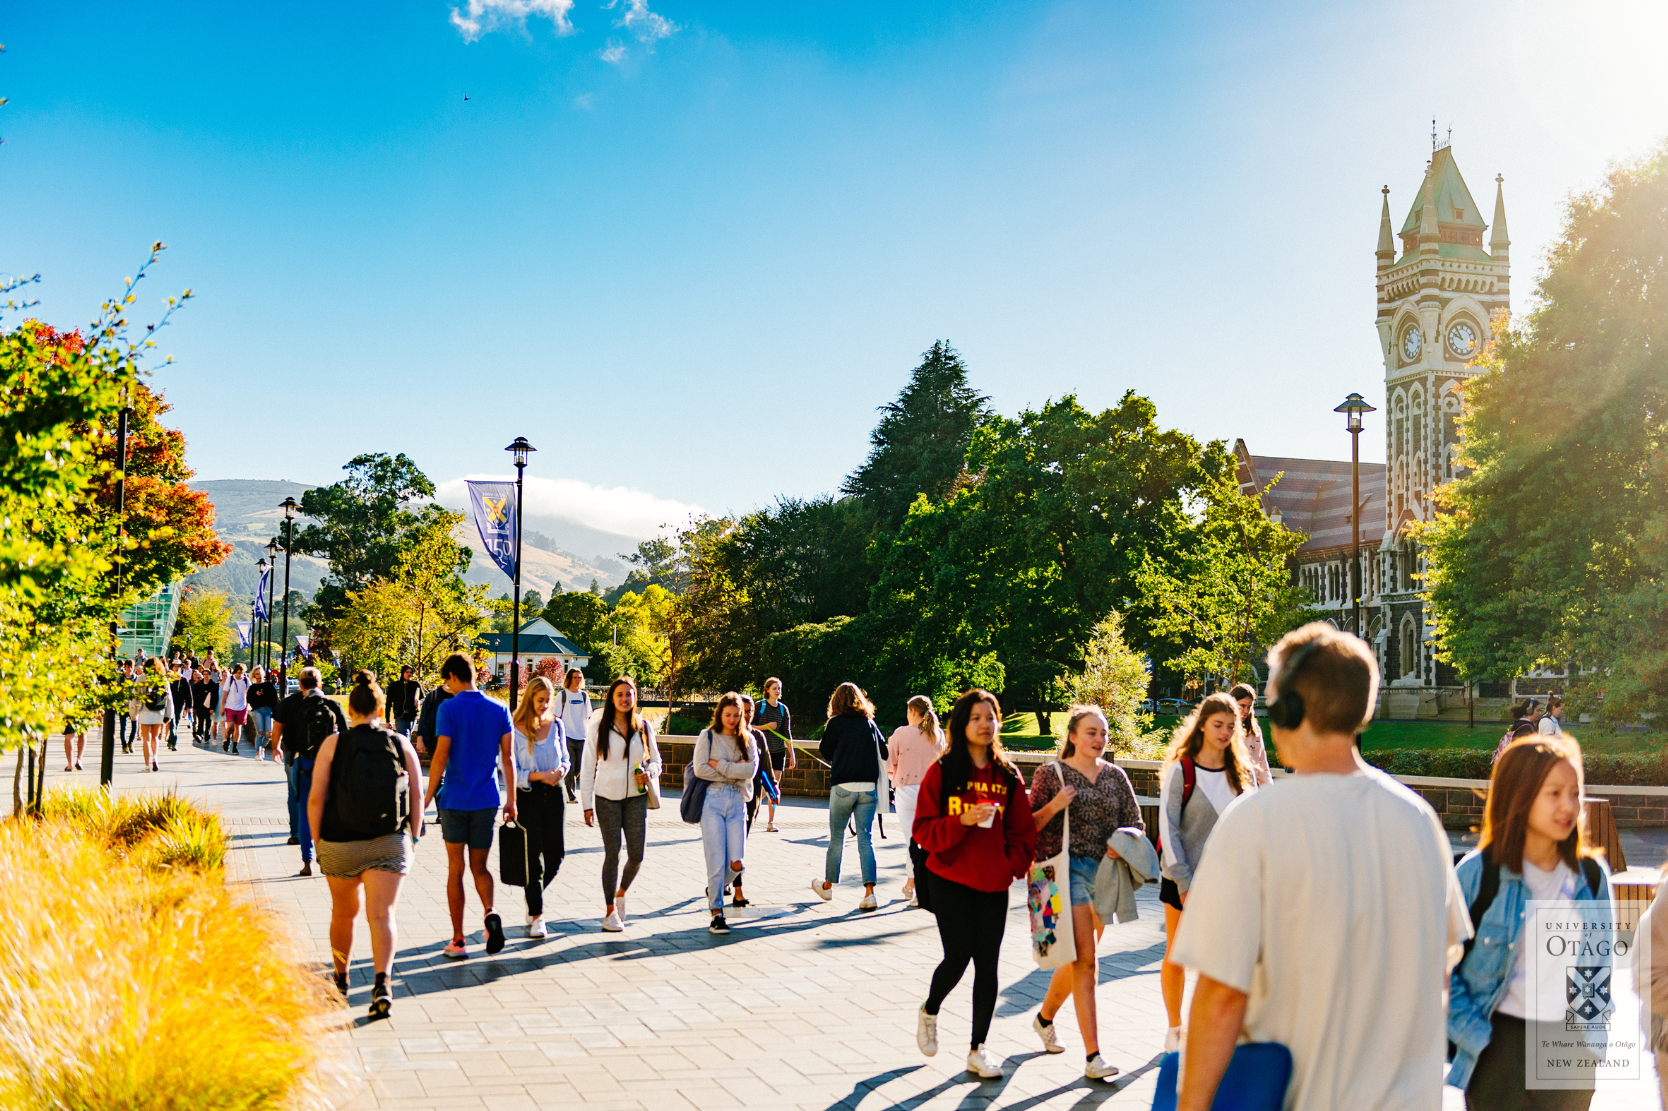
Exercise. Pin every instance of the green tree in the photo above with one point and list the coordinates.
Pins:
(362, 524)
(659, 561)
(1553, 548)
(804, 561)
(204, 624)
(1115, 677)
(580, 616)
(920, 445)
(531, 602)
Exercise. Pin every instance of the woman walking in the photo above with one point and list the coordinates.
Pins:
(1099, 801)
(154, 705)
(767, 784)
(1245, 697)
(776, 723)
(202, 706)
(366, 803)
(974, 819)
(856, 754)
(1532, 852)
(727, 757)
(215, 678)
(910, 752)
(263, 699)
(614, 776)
(1205, 770)
(573, 710)
(75, 743)
(541, 763)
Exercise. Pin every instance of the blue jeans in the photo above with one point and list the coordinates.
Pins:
(303, 787)
(1083, 870)
(263, 724)
(842, 804)
(295, 826)
(723, 837)
(127, 723)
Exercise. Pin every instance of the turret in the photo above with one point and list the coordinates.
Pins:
(1386, 240)
(1430, 236)
(1498, 242)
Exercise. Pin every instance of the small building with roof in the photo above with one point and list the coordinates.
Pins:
(540, 640)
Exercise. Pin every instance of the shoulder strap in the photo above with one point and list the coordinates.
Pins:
(1595, 875)
(1487, 888)
(1190, 779)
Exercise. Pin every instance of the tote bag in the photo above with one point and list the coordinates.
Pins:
(512, 855)
(1256, 1079)
(1048, 894)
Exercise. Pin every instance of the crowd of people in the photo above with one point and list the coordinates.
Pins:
(1322, 912)
(214, 703)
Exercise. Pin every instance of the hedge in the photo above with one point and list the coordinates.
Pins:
(1612, 769)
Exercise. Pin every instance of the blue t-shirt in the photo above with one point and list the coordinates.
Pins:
(476, 725)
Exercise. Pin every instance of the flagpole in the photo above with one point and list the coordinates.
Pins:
(520, 449)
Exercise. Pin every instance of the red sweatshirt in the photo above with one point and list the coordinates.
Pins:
(983, 859)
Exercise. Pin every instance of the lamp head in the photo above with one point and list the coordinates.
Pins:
(1354, 405)
(272, 547)
(289, 507)
(521, 449)
(260, 565)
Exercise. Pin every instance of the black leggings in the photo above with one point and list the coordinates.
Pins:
(539, 810)
(970, 927)
(628, 816)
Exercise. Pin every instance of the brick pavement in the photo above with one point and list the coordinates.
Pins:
(804, 1005)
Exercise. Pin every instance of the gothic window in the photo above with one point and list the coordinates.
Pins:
(1416, 446)
(1409, 647)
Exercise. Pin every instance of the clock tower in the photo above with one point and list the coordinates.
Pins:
(1438, 293)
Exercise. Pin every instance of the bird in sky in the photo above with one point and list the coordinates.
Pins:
(466, 96)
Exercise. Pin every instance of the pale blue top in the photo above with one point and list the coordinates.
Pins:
(549, 755)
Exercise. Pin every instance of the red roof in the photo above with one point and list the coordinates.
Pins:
(1313, 496)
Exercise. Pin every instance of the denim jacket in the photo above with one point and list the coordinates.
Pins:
(1478, 984)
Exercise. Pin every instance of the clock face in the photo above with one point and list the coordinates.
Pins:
(1412, 343)
(1462, 339)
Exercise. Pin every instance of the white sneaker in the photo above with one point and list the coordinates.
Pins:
(619, 907)
(1098, 1069)
(982, 1062)
(926, 1032)
(1173, 1039)
(612, 923)
(1050, 1040)
(537, 928)
(823, 893)
(868, 902)
(914, 898)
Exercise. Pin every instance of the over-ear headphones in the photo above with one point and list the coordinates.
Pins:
(1287, 710)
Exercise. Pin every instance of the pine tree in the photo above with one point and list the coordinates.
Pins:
(920, 444)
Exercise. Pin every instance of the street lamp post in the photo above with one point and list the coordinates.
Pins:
(520, 449)
(1354, 405)
(289, 507)
(271, 583)
(257, 656)
(107, 756)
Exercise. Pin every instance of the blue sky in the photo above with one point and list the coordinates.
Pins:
(687, 248)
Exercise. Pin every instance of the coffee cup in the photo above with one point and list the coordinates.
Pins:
(990, 819)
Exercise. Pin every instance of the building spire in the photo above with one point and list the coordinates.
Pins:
(1386, 238)
(1498, 242)
(1429, 234)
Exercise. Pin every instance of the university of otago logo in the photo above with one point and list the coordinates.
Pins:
(496, 512)
(1587, 997)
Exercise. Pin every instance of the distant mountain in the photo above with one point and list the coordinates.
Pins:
(247, 516)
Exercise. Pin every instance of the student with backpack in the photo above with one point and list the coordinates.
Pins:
(202, 706)
(573, 710)
(541, 763)
(618, 763)
(263, 700)
(154, 704)
(727, 757)
(1205, 770)
(910, 751)
(471, 775)
(772, 718)
(1532, 851)
(234, 699)
(973, 817)
(179, 688)
(364, 802)
(767, 785)
(299, 727)
(856, 754)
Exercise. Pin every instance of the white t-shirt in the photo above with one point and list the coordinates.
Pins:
(576, 714)
(1557, 888)
(236, 693)
(1331, 901)
(1549, 726)
(1214, 784)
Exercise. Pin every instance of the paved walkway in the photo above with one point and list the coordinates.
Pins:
(804, 1005)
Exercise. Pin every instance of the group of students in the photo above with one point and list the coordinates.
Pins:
(219, 703)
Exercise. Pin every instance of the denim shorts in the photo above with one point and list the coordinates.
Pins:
(1083, 869)
(468, 827)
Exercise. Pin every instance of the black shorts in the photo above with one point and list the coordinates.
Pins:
(1169, 894)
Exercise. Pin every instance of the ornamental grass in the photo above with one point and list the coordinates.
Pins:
(131, 978)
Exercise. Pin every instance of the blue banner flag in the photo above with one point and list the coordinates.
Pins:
(493, 504)
(260, 594)
(243, 634)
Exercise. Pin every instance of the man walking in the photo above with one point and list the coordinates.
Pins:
(180, 690)
(301, 724)
(469, 773)
(128, 727)
(1325, 914)
(234, 697)
(403, 697)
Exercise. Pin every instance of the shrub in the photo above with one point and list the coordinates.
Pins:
(133, 978)
(1648, 769)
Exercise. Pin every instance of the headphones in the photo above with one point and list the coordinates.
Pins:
(1287, 710)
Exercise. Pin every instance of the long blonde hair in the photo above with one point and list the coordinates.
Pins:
(922, 705)
(1189, 738)
(524, 718)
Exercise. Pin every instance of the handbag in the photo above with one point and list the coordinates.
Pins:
(1048, 895)
(652, 787)
(694, 793)
(1255, 1080)
(512, 854)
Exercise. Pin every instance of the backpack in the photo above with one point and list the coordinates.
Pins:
(156, 697)
(369, 785)
(314, 721)
(1190, 778)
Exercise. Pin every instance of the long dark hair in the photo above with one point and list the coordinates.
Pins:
(1518, 776)
(1189, 739)
(956, 765)
(607, 721)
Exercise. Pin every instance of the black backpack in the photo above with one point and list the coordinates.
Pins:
(369, 784)
(315, 719)
(156, 696)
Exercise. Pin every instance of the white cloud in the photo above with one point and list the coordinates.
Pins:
(614, 53)
(478, 17)
(636, 18)
(636, 514)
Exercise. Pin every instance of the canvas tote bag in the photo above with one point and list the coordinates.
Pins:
(1048, 894)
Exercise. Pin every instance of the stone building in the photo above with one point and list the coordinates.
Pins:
(1438, 292)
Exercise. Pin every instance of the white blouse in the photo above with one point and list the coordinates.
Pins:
(612, 777)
